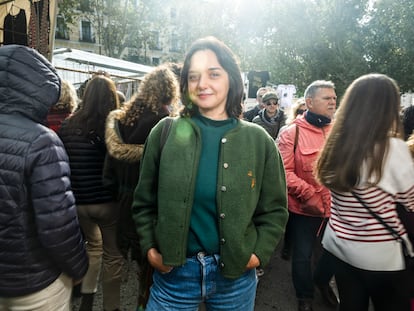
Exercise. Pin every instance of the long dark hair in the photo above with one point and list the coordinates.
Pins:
(228, 61)
(99, 99)
(367, 116)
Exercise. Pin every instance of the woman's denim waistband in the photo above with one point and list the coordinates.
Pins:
(203, 256)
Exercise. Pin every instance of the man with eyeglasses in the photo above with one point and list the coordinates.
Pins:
(250, 114)
(271, 118)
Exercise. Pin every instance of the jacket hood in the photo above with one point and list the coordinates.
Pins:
(277, 118)
(29, 85)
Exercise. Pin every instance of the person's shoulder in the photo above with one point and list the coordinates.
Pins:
(249, 114)
(397, 143)
(256, 119)
(254, 129)
(304, 126)
(288, 128)
(399, 151)
(244, 124)
(165, 122)
(116, 114)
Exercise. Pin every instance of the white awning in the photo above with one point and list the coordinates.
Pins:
(76, 66)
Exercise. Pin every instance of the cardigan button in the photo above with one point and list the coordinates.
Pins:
(222, 264)
(224, 140)
(223, 188)
(222, 215)
(222, 241)
(225, 165)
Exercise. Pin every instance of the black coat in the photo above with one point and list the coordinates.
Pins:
(39, 230)
(86, 157)
(125, 146)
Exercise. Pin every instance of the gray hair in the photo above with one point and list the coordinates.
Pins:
(263, 88)
(316, 85)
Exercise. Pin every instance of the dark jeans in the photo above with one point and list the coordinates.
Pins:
(388, 290)
(287, 239)
(306, 245)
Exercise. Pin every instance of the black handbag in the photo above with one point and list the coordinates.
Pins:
(409, 261)
(407, 218)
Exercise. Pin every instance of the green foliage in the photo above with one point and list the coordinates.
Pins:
(67, 9)
(389, 41)
(297, 41)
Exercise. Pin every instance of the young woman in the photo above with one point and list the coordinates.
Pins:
(211, 206)
(366, 157)
(126, 131)
(83, 135)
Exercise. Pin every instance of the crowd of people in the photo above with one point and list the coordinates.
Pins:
(199, 192)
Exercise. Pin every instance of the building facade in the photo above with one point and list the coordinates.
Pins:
(157, 41)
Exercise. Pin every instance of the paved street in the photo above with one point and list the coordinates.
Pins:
(275, 290)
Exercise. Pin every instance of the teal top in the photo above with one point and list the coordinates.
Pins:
(203, 234)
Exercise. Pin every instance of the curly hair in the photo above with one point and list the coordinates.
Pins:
(159, 87)
(68, 100)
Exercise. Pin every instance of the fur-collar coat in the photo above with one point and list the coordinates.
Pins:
(125, 144)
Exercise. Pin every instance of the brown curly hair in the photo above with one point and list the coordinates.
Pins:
(159, 87)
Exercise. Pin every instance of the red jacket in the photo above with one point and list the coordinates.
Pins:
(55, 119)
(306, 195)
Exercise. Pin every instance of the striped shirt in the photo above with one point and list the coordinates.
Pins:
(357, 237)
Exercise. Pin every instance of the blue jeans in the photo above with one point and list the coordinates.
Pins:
(304, 235)
(200, 280)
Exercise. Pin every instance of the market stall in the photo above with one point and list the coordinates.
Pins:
(30, 23)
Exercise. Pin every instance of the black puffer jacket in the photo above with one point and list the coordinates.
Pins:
(39, 230)
(87, 153)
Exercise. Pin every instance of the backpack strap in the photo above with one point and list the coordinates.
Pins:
(296, 138)
(165, 131)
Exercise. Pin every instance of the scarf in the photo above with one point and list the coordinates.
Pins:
(317, 119)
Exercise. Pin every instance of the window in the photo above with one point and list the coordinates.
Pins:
(154, 43)
(173, 13)
(155, 61)
(175, 43)
(61, 29)
(86, 32)
(85, 6)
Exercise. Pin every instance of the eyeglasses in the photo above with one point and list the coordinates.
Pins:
(272, 102)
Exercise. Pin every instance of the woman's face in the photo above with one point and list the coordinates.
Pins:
(208, 85)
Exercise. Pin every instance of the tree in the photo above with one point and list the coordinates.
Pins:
(67, 9)
(389, 41)
(297, 41)
(311, 40)
(146, 21)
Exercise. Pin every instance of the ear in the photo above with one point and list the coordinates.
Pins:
(308, 102)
